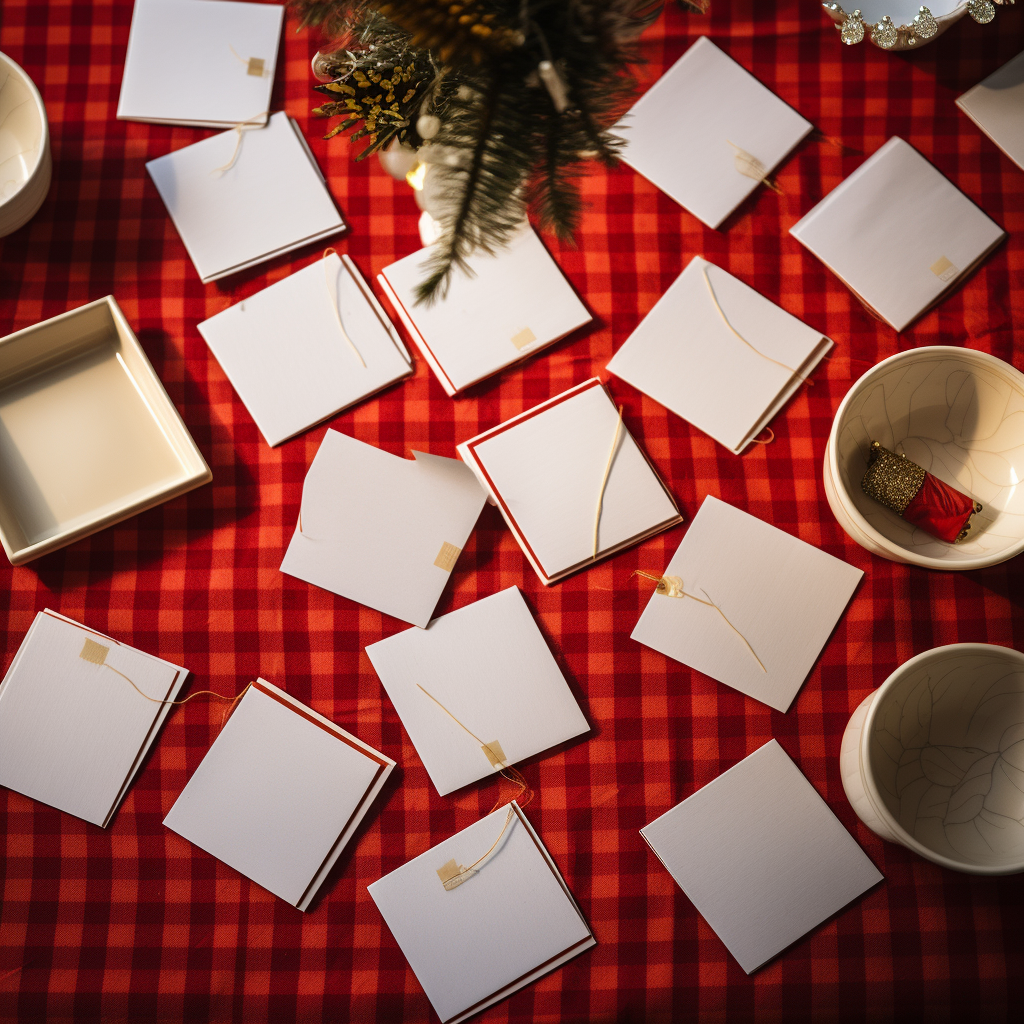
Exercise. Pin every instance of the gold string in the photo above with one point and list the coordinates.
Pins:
(191, 696)
(512, 774)
(242, 126)
(604, 479)
(332, 295)
(749, 166)
(725, 320)
(665, 586)
(757, 440)
(465, 871)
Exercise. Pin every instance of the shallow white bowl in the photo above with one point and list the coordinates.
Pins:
(25, 165)
(934, 758)
(960, 415)
(902, 12)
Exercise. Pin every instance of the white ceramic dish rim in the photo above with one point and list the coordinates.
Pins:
(44, 139)
(878, 804)
(897, 551)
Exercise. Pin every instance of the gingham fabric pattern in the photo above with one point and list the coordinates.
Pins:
(134, 924)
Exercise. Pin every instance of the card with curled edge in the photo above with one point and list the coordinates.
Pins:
(509, 917)
(382, 530)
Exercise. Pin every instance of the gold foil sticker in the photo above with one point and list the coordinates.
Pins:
(255, 67)
(523, 338)
(447, 556)
(944, 269)
(494, 754)
(94, 652)
(451, 875)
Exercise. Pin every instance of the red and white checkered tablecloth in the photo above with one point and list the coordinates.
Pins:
(134, 924)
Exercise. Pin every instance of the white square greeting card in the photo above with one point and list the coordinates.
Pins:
(207, 63)
(509, 306)
(382, 530)
(477, 690)
(290, 361)
(244, 196)
(571, 482)
(708, 132)
(74, 726)
(719, 354)
(761, 606)
(898, 233)
(996, 106)
(279, 793)
(482, 915)
(761, 856)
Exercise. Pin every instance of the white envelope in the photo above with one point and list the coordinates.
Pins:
(273, 199)
(288, 360)
(382, 530)
(996, 106)
(898, 234)
(761, 856)
(279, 794)
(508, 307)
(685, 132)
(781, 595)
(685, 356)
(74, 731)
(510, 922)
(488, 665)
(200, 62)
(544, 469)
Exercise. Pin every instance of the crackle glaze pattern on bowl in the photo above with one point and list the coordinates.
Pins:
(960, 415)
(942, 757)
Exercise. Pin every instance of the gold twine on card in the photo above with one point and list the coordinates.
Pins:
(490, 751)
(255, 66)
(757, 440)
(749, 166)
(604, 479)
(672, 586)
(242, 126)
(332, 295)
(453, 875)
(96, 654)
(725, 320)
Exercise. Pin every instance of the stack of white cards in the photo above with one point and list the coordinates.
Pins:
(545, 467)
(708, 132)
(509, 306)
(510, 921)
(279, 794)
(245, 196)
(288, 359)
(773, 592)
(382, 530)
(74, 728)
(207, 63)
(719, 354)
(487, 667)
(761, 856)
(996, 106)
(898, 234)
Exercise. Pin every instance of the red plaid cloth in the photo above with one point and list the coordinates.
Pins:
(133, 923)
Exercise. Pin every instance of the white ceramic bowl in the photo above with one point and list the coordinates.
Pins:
(902, 13)
(960, 415)
(24, 148)
(934, 758)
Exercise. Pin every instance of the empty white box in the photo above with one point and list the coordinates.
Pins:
(88, 435)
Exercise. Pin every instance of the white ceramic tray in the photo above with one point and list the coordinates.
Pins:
(88, 435)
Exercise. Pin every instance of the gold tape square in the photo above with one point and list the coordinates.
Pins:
(447, 556)
(94, 652)
(494, 753)
(944, 269)
(451, 875)
(255, 68)
(523, 338)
